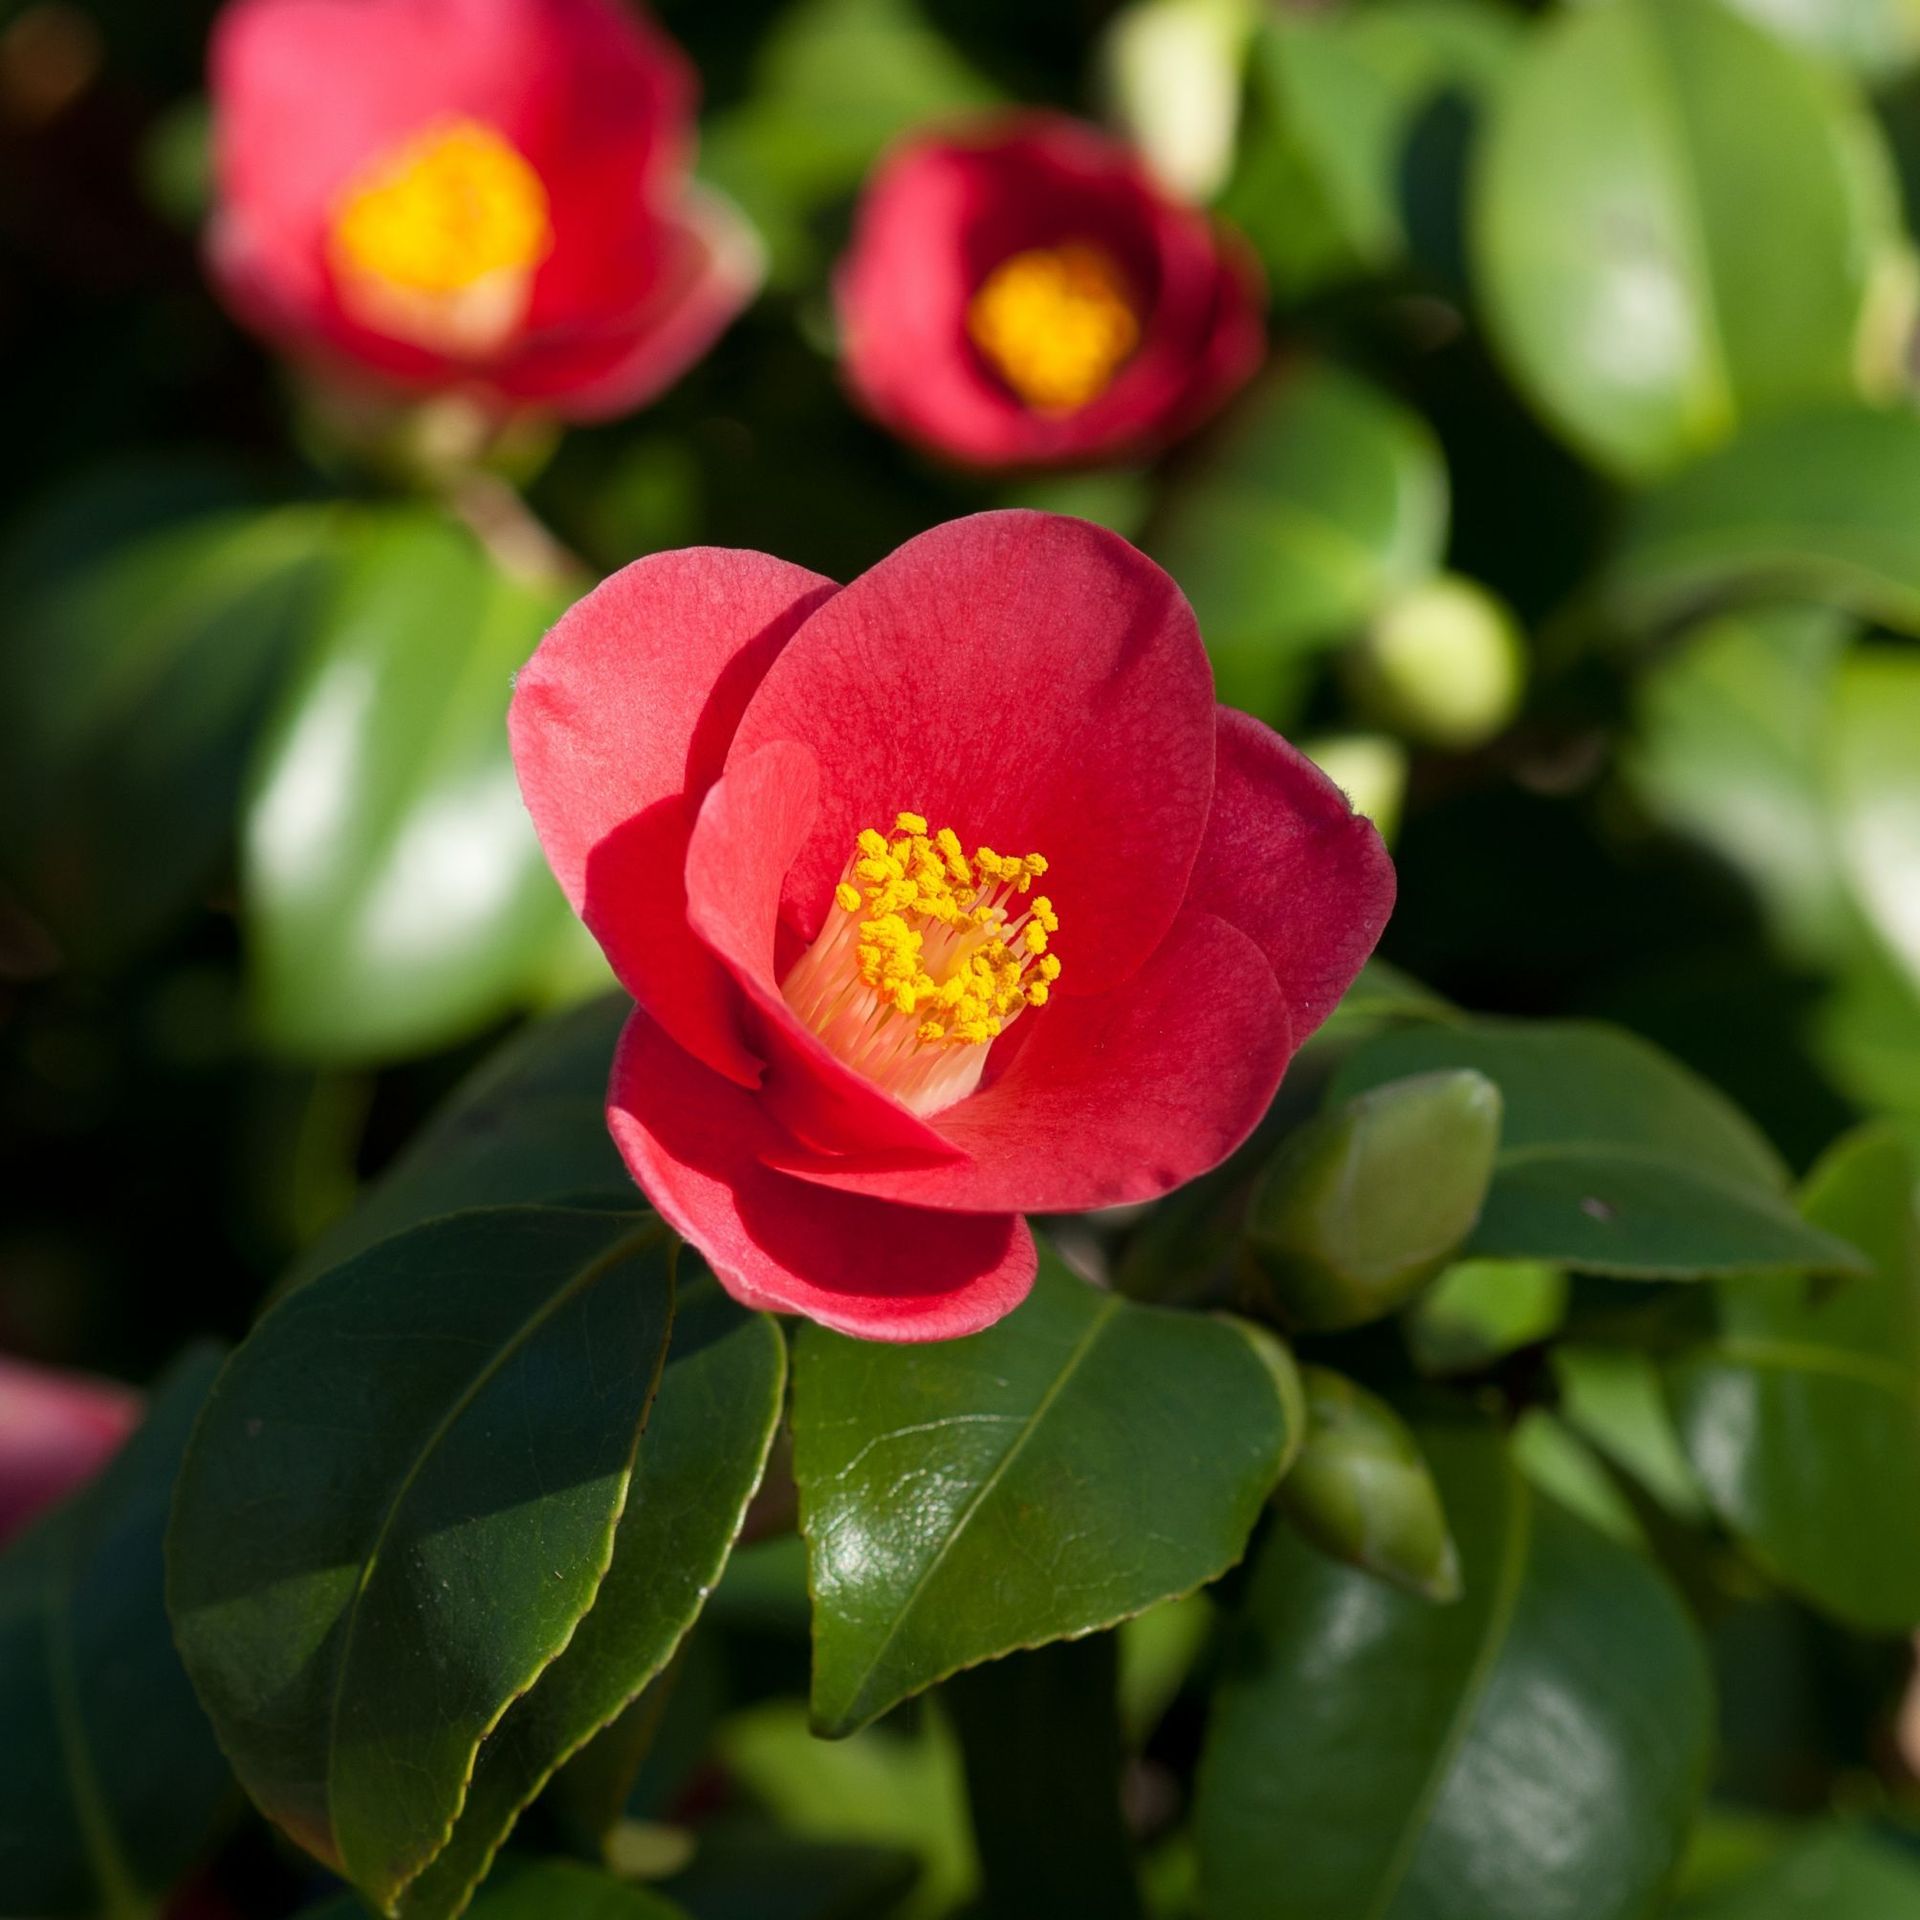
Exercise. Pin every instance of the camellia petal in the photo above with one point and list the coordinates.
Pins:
(866, 1267)
(1287, 859)
(1009, 676)
(619, 725)
(57, 1430)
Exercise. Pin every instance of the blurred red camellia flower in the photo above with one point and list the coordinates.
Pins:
(1025, 295)
(57, 1430)
(947, 896)
(490, 196)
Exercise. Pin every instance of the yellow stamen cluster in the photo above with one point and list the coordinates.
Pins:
(931, 954)
(1056, 324)
(437, 241)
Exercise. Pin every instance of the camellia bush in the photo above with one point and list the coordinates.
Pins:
(960, 960)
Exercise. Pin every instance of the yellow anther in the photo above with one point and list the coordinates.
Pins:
(848, 896)
(873, 845)
(1035, 937)
(1050, 967)
(910, 823)
(1056, 324)
(1037, 993)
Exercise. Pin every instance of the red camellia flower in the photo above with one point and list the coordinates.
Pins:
(1027, 296)
(946, 897)
(57, 1430)
(487, 195)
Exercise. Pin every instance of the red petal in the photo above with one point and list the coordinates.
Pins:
(57, 1430)
(862, 1266)
(1032, 682)
(743, 843)
(620, 722)
(1117, 1098)
(1287, 860)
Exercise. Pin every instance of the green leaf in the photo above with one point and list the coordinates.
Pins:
(1730, 749)
(543, 1890)
(1479, 1311)
(1613, 1158)
(1045, 1851)
(1317, 502)
(110, 1781)
(1840, 1872)
(1537, 1748)
(1360, 1208)
(700, 1459)
(395, 897)
(138, 670)
(1879, 38)
(1362, 1492)
(400, 1501)
(1802, 1416)
(1625, 278)
(1079, 1462)
(1822, 506)
(528, 1124)
(1875, 749)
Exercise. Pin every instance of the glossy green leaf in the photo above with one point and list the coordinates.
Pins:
(399, 1503)
(1317, 501)
(1077, 1463)
(700, 1459)
(1536, 1748)
(1613, 1158)
(1802, 1416)
(1625, 278)
(528, 1124)
(1822, 505)
(110, 1781)
(138, 669)
(395, 898)
(1361, 1208)
(1875, 773)
(526, 1889)
(1840, 1872)
(1362, 1492)
(1045, 1851)
(1730, 749)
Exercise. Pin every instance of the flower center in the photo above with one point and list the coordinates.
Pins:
(1055, 323)
(437, 241)
(928, 958)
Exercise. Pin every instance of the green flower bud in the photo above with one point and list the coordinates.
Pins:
(1361, 1491)
(1362, 1207)
(1443, 664)
(1370, 769)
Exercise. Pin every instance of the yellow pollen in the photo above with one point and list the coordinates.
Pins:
(1056, 324)
(929, 958)
(437, 241)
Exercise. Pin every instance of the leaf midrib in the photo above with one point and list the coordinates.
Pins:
(1106, 1307)
(1506, 1600)
(589, 1275)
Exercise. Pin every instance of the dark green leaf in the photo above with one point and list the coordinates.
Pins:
(1361, 1490)
(395, 897)
(1318, 501)
(1802, 1417)
(137, 673)
(1073, 1465)
(1613, 1158)
(398, 1505)
(110, 1781)
(1046, 1812)
(700, 1460)
(1361, 1207)
(1624, 275)
(530, 1124)
(1535, 1749)
(543, 1890)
